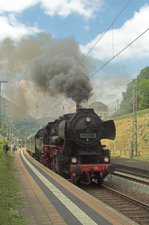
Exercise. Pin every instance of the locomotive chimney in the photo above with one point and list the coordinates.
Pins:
(78, 106)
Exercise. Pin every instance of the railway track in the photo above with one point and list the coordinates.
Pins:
(132, 170)
(136, 177)
(128, 206)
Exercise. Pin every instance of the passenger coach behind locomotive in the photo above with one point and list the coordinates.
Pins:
(73, 148)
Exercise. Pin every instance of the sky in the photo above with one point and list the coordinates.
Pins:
(100, 28)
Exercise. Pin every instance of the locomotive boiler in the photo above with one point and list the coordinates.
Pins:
(71, 146)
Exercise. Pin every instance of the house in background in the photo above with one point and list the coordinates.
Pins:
(100, 108)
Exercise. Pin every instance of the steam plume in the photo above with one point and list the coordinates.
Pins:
(62, 69)
(54, 67)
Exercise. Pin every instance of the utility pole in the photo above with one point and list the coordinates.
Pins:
(4, 119)
(1, 102)
(134, 139)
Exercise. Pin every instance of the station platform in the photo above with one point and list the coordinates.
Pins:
(50, 199)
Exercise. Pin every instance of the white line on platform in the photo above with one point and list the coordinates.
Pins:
(73, 208)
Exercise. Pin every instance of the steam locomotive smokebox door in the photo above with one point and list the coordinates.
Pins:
(85, 127)
(109, 130)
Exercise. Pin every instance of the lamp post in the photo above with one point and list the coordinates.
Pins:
(1, 101)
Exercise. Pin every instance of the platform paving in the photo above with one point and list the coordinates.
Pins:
(37, 209)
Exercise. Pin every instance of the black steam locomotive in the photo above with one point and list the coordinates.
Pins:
(71, 146)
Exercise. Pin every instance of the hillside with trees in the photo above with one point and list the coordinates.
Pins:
(135, 104)
(138, 88)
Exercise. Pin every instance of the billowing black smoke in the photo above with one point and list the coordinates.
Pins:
(62, 69)
(38, 66)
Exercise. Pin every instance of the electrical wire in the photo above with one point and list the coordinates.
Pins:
(111, 25)
(117, 54)
(106, 63)
(91, 76)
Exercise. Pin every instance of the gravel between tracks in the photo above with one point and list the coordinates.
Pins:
(128, 187)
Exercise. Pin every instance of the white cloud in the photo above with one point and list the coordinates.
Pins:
(10, 27)
(9, 9)
(85, 8)
(16, 5)
(131, 29)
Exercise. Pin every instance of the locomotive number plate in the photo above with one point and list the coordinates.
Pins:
(88, 135)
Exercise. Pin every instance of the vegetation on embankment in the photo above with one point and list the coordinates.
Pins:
(10, 198)
(122, 144)
(137, 92)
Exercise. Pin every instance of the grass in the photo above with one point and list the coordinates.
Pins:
(122, 144)
(143, 158)
(10, 198)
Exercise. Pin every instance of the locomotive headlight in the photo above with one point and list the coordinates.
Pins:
(88, 119)
(106, 159)
(73, 160)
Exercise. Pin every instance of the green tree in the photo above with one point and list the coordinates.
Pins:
(144, 73)
(142, 85)
(143, 89)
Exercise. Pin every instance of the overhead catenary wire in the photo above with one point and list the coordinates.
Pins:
(117, 54)
(111, 25)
